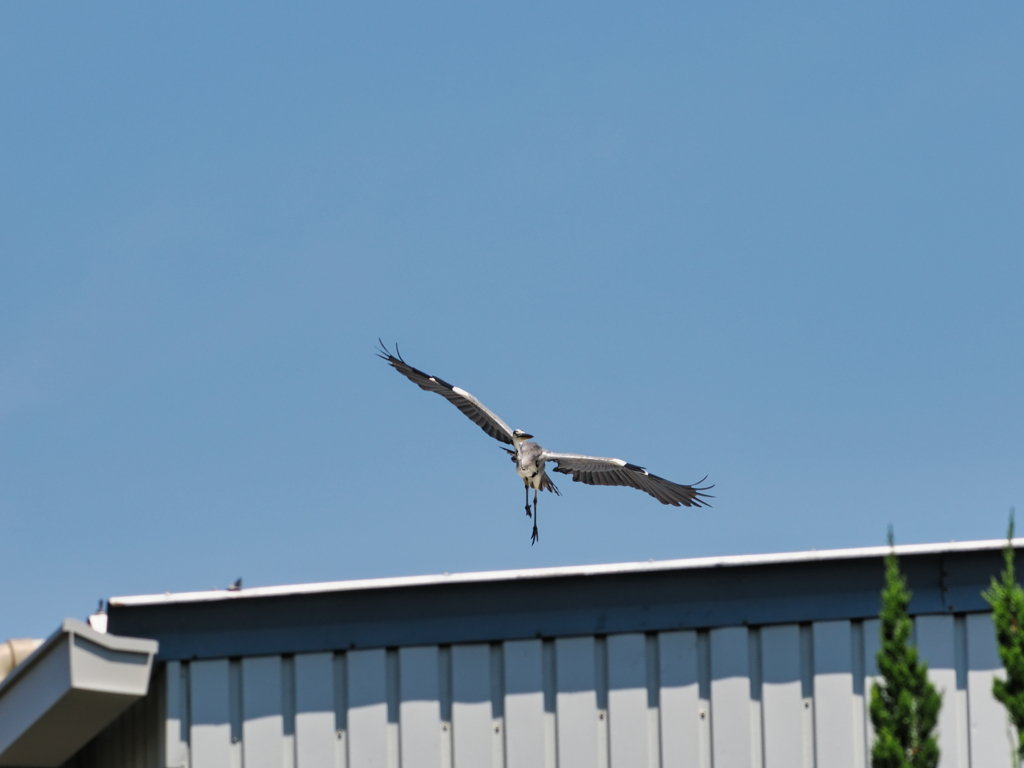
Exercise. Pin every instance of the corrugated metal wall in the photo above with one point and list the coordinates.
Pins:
(774, 696)
(135, 739)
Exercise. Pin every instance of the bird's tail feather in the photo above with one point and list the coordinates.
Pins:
(547, 485)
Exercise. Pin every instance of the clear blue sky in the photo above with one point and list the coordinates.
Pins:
(779, 245)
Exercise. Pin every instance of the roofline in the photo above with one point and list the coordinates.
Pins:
(481, 577)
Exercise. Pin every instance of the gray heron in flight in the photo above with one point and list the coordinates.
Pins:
(530, 458)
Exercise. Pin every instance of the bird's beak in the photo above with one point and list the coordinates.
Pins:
(527, 437)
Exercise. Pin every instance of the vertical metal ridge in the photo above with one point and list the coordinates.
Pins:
(860, 757)
(652, 661)
(756, 697)
(601, 671)
(857, 656)
(601, 697)
(159, 692)
(444, 682)
(288, 693)
(236, 693)
(444, 696)
(288, 707)
(154, 701)
(186, 712)
(497, 670)
(807, 693)
(963, 701)
(499, 747)
(393, 696)
(706, 714)
(872, 643)
(550, 684)
(960, 649)
(235, 708)
(653, 670)
(341, 702)
(125, 735)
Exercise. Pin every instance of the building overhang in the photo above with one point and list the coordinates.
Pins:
(76, 683)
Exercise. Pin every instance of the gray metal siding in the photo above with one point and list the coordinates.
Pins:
(732, 697)
(135, 739)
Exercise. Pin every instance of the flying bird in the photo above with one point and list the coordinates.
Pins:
(530, 458)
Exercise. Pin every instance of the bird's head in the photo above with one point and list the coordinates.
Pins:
(518, 435)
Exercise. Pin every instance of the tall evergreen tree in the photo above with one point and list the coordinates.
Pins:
(904, 705)
(1007, 601)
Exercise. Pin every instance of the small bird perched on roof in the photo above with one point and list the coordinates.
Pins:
(530, 458)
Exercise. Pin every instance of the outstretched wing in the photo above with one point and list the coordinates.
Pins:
(596, 470)
(479, 413)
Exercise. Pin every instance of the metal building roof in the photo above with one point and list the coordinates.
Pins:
(544, 602)
(477, 577)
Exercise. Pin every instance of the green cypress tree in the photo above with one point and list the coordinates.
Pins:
(904, 705)
(1007, 601)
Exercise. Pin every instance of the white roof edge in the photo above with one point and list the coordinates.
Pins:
(728, 561)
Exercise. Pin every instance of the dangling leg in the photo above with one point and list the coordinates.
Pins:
(527, 486)
(536, 535)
